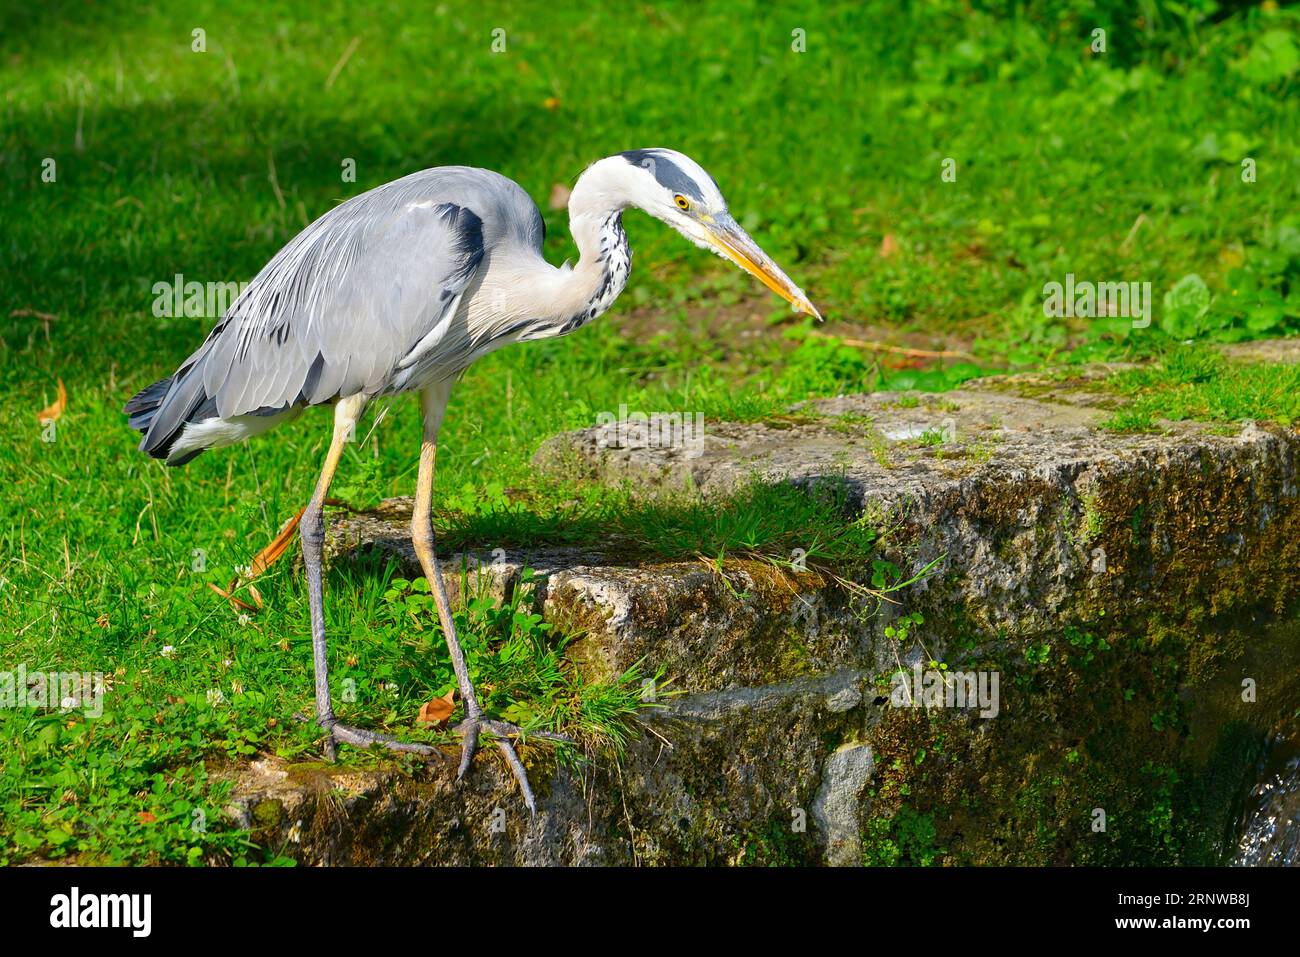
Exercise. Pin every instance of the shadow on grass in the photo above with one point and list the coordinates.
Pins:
(184, 186)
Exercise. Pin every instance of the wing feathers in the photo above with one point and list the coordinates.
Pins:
(363, 300)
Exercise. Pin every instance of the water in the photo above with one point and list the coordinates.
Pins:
(1269, 832)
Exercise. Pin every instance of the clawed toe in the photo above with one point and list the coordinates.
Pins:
(469, 730)
(521, 775)
(503, 732)
(361, 738)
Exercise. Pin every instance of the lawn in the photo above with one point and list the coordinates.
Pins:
(921, 172)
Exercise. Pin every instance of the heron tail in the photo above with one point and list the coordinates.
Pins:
(142, 406)
(153, 412)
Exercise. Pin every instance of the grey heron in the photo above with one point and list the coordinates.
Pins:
(399, 290)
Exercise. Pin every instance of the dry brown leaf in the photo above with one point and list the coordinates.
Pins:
(559, 197)
(888, 246)
(267, 556)
(52, 412)
(146, 817)
(264, 560)
(438, 710)
(236, 602)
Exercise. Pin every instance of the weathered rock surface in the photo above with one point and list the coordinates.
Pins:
(1035, 512)
(1120, 585)
(837, 808)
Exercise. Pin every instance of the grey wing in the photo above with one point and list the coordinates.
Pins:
(338, 310)
(334, 313)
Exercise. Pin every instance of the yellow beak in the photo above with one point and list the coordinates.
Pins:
(732, 242)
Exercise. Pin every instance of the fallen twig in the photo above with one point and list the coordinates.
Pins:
(875, 346)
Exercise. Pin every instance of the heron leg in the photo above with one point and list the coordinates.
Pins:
(311, 531)
(422, 538)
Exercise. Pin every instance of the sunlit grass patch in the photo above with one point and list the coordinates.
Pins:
(763, 520)
(1196, 382)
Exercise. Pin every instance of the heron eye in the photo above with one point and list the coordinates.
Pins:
(681, 201)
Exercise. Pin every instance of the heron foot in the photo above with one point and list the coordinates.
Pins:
(362, 738)
(502, 733)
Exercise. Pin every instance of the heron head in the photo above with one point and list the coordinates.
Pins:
(674, 188)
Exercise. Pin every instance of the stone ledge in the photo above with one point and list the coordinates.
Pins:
(707, 771)
(1182, 548)
(1059, 521)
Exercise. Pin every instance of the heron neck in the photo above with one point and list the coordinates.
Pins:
(604, 262)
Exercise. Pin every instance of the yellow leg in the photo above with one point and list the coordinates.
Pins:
(312, 532)
(435, 401)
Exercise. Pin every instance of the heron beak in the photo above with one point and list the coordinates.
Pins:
(725, 235)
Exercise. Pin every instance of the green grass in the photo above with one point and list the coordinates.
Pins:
(762, 521)
(906, 839)
(1122, 166)
(516, 657)
(1195, 382)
